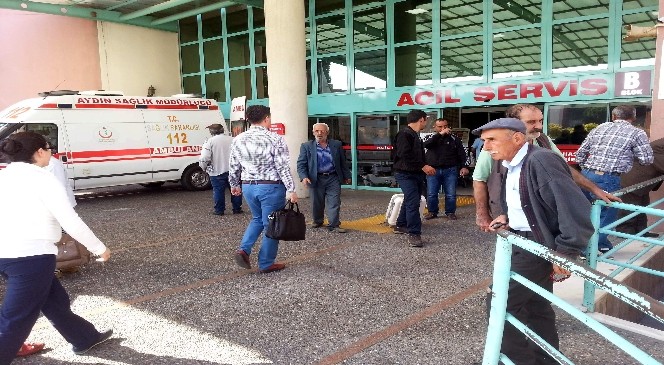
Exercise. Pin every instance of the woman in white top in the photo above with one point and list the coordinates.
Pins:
(34, 208)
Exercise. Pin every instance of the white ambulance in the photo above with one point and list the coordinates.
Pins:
(108, 139)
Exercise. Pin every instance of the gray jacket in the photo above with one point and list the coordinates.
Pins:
(557, 211)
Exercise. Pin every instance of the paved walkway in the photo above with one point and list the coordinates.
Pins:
(174, 295)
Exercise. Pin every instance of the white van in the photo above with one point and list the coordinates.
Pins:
(108, 139)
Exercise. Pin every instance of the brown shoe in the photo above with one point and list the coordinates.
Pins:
(273, 267)
(242, 259)
(430, 215)
(415, 240)
(452, 217)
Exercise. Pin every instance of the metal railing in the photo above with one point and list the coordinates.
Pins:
(498, 312)
(611, 229)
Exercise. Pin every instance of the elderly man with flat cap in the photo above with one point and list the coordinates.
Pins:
(544, 205)
(215, 157)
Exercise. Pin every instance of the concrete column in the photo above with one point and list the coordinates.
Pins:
(287, 79)
(657, 113)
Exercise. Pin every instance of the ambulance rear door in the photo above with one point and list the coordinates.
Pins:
(107, 146)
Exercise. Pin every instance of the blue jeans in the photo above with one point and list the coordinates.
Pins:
(326, 195)
(447, 177)
(262, 199)
(32, 288)
(219, 185)
(609, 183)
(409, 216)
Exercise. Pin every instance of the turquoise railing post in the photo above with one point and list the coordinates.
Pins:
(588, 287)
(501, 279)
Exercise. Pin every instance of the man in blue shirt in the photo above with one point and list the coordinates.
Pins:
(322, 167)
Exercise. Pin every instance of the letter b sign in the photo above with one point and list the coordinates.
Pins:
(635, 83)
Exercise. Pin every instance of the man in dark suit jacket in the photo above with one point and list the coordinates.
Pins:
(322, 166)
(638, 174)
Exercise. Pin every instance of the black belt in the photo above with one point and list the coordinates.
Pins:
(327, 173)
(597, 172)
(524, 234)
(260, 182)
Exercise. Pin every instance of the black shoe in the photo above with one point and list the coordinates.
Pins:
(238, 211)
(316, 225)
(650, 235)
(414, 240)
(217, 213)
(103, 337)
(400, 230)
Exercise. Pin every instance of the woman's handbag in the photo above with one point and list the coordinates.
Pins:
(71, 254)
(286, 224)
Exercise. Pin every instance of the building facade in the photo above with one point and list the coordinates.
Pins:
(370, 62)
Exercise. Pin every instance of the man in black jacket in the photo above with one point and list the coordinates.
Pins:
(445, 153)
(410, 170)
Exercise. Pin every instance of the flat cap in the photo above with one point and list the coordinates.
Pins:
(215, 126)
(502, 123)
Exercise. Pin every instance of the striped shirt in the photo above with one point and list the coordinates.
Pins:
(612, 147)
(259, 154)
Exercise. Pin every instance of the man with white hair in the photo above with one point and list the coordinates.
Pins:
(322, 167)
(543, 204)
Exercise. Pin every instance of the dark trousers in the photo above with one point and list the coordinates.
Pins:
(219, 186)
(531, 309)
(32, 287)
(412, 185)
(326, 196)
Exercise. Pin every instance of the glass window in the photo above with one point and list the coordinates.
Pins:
(643, 114)
(309, 83)
(580, 46)
(261, 82)
(638, 4)
(259, 18)
(412, 21)
(513, 13)
(211, 24)
(307, 38)
(412, 65)
(214, 55)
(571, 9)
(191, 85)
(331, 34)
(188, 29)
(190, 59)
(371, 70)
(326, 6)
(238, 51)
(240, 83)
(576, 119)
(215, 85)
(461, 17)
(237, 20)
(517, 53)
(369, 27)
(374, 149)
(461, 59)
(332, 75)
(259, 47)
(640, 51)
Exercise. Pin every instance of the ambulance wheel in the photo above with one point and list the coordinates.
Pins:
(153, 185)
(194, 178)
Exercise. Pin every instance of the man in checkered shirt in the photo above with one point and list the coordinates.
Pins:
(607, 152)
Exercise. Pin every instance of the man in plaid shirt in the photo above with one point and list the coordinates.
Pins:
(607, 152)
